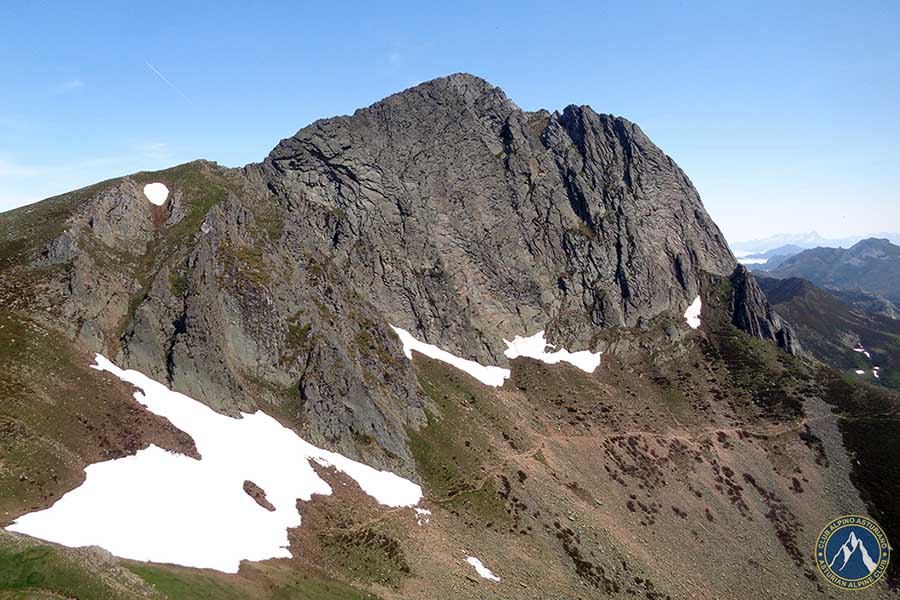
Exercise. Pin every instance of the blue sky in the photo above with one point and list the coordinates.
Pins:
(786, 116)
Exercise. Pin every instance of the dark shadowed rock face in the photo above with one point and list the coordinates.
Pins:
(467, 219)
(753, 314)
(444, 209)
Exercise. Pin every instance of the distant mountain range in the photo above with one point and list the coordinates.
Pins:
(870, 269)
(802, 240)
(770, 259)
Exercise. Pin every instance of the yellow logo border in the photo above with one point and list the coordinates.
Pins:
(886, 561)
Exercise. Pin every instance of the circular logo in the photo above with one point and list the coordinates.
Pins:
(852, 552)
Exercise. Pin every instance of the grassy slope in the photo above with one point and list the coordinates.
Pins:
(40, 569)
(870, 424)
(551, 479)
(57, 415)
(825, 325)
(35, 570)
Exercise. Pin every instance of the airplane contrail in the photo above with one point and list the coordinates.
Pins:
(169, 83)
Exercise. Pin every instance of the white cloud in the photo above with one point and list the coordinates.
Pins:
(154, 151)
(70, 85)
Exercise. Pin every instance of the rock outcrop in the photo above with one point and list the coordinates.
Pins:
(753, 314)
(444, 209)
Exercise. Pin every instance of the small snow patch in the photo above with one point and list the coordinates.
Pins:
(423, 516)
(859, 371)
(494, 376)
(156, 193)
(863, 351)
(692, 314)
(481, 569)
(536, 347)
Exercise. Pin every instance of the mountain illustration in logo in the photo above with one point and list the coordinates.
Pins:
(849, 549)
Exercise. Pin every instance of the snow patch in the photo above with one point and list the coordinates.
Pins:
(692, 314)
(170, 508)
(423, 516)
(156, 193)
(481, 569)
(494, 376)
(859, 371)
(536, 347)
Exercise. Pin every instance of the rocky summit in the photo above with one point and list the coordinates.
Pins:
(449, 212)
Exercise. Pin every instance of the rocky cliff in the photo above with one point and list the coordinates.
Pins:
(444, 209)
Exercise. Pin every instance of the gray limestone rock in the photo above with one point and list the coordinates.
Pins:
(444, 209)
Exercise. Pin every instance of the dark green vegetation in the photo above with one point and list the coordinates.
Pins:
(870, 424)
(34, 570)
(26, 229)
(271, 583)
(203, 186)
(46, 442)
(829, 330)
(37, 570)
(299, 339)
(172, 583)
(771, 379)
(452, 452)
(366, 554)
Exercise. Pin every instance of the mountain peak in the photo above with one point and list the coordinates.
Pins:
(869, 244)
(462, 85)
(444, 210)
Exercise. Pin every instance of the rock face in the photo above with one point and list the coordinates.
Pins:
(445, 210)
(467, 219)
(753, 314)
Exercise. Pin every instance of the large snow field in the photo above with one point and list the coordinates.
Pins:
(164, 507)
